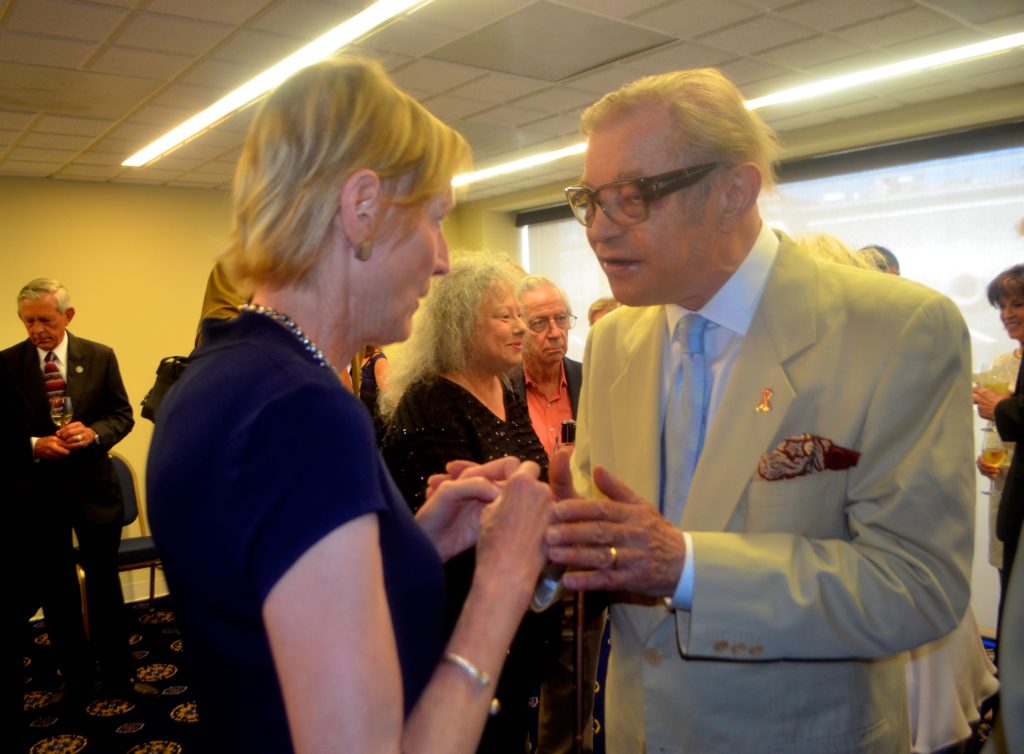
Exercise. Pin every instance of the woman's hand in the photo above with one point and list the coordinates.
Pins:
(510, 547)
(450, 514)
(986, 401)
(987, 470)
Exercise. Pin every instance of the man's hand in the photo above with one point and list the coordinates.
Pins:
(620, 544)
(560, 475)
(450, 515)
(50, 448)
(76, 436)
(986, 401)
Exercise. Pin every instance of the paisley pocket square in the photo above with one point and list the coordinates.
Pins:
(798, 455)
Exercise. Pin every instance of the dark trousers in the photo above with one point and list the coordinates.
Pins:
(62, 605)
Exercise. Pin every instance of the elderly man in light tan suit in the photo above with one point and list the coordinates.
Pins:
(828, 524)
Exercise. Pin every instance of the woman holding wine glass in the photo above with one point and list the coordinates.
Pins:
(448, 398)
(310, 597)
(1006, 512)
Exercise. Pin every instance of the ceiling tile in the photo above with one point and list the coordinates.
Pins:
(92, 157)
(808, 53)
(89, 172)
(744, 71)
(977, 11)
(34, 48)
(556, 125)
(65, 18)
(34, 154)
(946, 40)
(434, 75)
(61, 124)
(15, 120)
(604, 80)
(498, 87)
(160, 116)
(934, 91)
(624, 9)
(259, 48)
(188, 96)
(760, 34)
(897, 27)
(677, 57)
(522, 43)
(407, 37)
(449, 108)
(36, 169)
(61, 91)
(462, 16)
(145, 63)
(219, 74)
(507, 115)
(834, 14)
(224, 11)
(302, 18)
(172, 34)
(557, 99)
(688, 18)
(8, 137)
(55, 141)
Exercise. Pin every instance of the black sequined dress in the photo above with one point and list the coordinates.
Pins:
(436, 422)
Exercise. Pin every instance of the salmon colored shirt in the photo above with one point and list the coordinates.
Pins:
(547, 412)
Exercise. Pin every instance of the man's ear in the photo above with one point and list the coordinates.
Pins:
(359, 207)
(69, 313)
(740, 192)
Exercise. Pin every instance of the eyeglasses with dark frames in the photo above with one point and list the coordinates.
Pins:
(562, 322)
(628, 202)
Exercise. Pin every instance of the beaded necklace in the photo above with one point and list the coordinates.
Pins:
(291, 326)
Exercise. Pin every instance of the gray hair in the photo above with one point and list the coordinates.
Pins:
(536, 282)
(40, 287)
(444, 335)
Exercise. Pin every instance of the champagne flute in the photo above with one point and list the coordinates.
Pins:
(61, 411)
(993, 452)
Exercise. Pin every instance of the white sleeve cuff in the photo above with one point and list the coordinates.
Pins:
(682, 599)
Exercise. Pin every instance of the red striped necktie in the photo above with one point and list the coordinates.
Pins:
(52, 378)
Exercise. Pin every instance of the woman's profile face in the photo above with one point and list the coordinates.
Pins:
(1011, 312)
(499, 334)
(404, 268)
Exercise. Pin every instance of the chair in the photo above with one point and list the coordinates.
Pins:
(133, 553)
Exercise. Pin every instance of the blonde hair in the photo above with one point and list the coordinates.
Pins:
(828, 248)
(443, 337)
(713, 122)
(314, 131)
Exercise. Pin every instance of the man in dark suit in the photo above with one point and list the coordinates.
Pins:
(548, 382)
(71, 484)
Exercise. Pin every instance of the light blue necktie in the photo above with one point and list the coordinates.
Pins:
(685, 416)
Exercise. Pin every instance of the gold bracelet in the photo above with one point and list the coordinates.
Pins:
(478, 676)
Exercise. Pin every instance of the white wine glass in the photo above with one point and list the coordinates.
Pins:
(61, 411)
(993, 452)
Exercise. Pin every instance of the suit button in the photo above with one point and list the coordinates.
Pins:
(756, 650)
(652, 656)
(721, 645)
(738, 648)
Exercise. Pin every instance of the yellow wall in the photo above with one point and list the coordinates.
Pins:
(134, 258)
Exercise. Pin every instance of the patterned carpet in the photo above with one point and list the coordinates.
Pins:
(102, 724)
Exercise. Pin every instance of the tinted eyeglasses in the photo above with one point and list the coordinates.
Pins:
(628, 202)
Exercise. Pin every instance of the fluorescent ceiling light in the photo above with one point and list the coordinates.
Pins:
(521, 164)
(841, 83)
(796, 94)
(320, 48)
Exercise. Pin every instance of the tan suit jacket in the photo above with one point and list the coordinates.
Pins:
(805, 588)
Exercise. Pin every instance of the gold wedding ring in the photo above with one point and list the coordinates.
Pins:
(614, 553)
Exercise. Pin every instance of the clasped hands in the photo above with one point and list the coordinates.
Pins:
(64, 442)
(619, 543)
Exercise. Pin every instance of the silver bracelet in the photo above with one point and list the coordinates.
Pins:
(478, 676)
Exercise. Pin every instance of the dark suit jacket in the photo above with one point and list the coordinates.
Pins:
(573, 380)
(85, 479)
(1009, 416)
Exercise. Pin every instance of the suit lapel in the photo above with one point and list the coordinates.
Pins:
(635, 399)
(783, 325)
(76, 371)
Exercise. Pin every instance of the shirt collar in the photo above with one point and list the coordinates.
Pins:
(733, 306)
(530, 381)
(61, 352)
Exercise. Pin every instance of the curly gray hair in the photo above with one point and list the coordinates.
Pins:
(444, 335)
